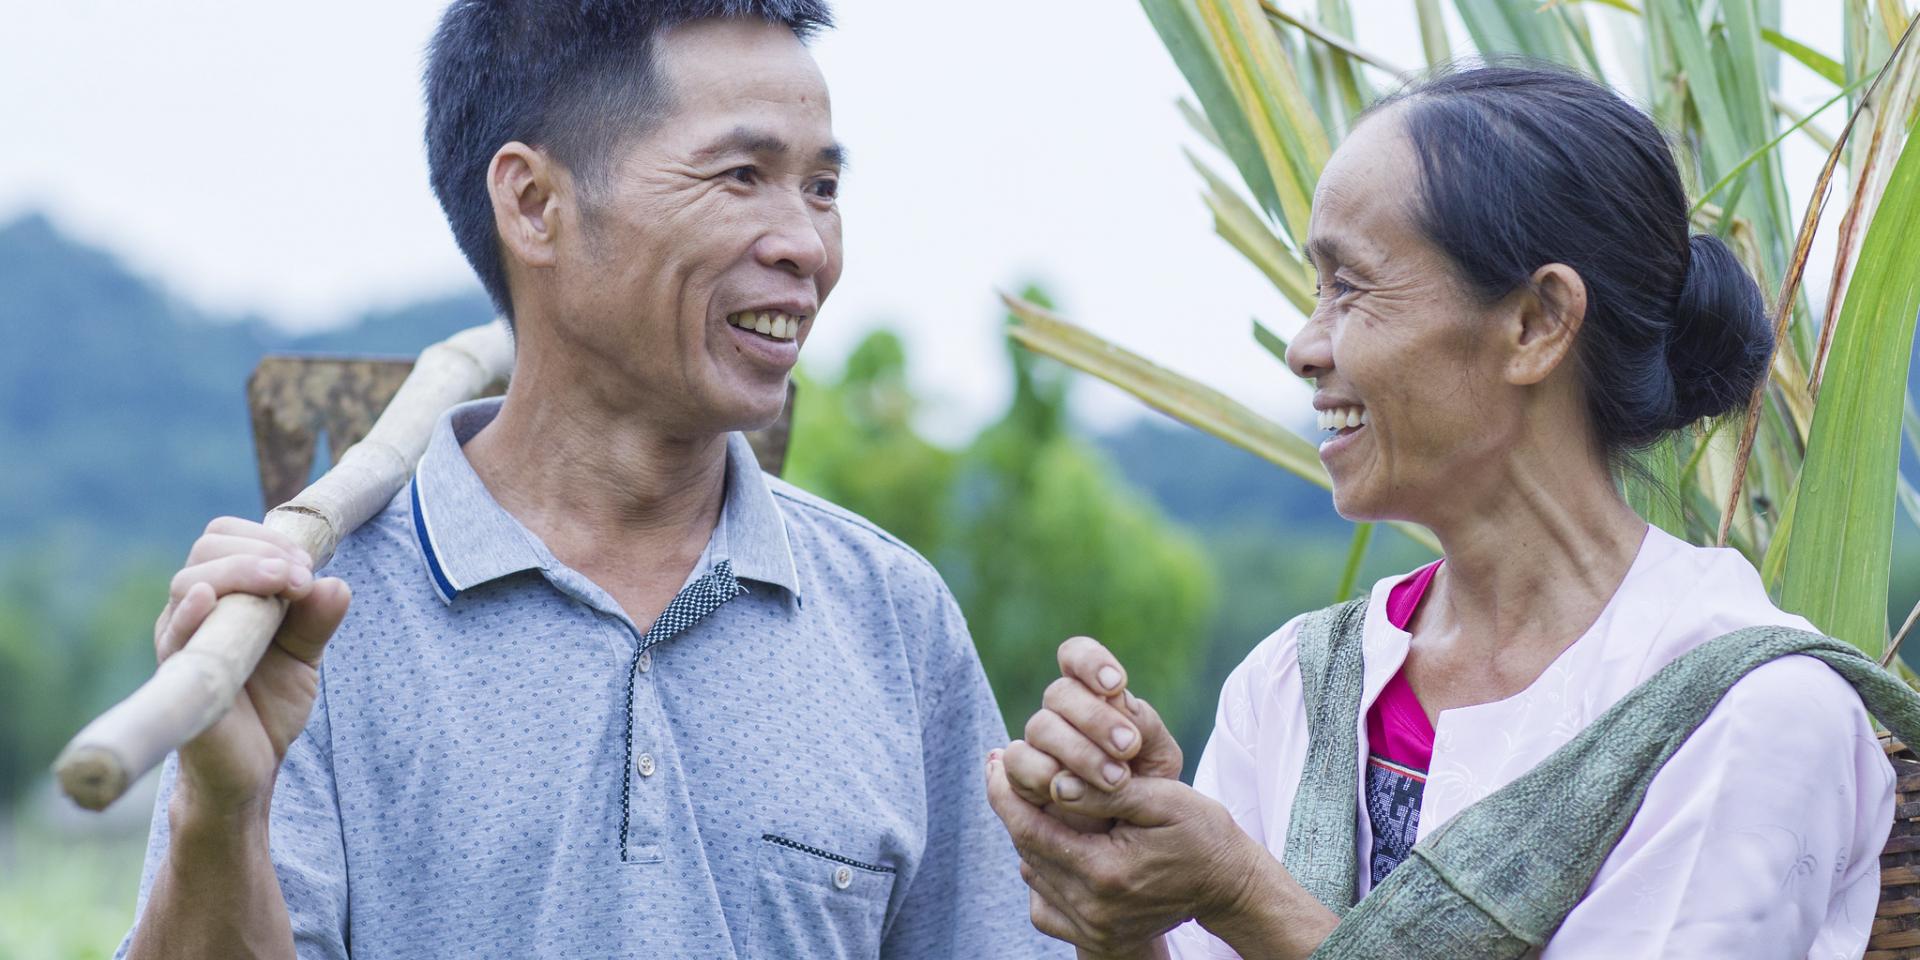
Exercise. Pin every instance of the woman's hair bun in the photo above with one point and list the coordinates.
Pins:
(1720, 340)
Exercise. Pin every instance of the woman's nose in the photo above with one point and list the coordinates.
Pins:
(1310, 355)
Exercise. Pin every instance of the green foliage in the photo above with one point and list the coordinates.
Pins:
(1030, 526)
(64, 655)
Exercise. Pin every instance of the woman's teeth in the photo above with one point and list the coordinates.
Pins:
(773, 323)
(1343, 417)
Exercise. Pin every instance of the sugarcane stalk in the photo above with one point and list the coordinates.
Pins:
(198, 683)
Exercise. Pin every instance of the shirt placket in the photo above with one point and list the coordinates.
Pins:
(651, 760)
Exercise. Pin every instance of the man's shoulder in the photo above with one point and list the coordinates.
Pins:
(818, 525)
(381, 550)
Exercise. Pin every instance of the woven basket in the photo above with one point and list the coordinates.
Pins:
(1896, 925)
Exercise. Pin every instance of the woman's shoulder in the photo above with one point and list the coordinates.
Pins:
(1679, 596)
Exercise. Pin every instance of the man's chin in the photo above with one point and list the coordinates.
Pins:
(751, 409)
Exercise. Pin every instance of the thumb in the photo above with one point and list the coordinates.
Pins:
(1141, 801)
(311, 620)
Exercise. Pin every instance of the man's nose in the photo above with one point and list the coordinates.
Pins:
(794, 244)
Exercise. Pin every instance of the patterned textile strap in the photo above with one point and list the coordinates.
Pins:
(1321, 851)
(1498, 878)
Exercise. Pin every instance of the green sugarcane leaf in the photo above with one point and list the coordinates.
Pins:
(1356, 554)
(1193, 403)
(1273, 342)
(1810, 58)
(1836, 571)
(1179, 27)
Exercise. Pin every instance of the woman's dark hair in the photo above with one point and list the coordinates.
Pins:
(1523, 165)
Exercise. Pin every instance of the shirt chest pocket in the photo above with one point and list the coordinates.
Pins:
(816, 903)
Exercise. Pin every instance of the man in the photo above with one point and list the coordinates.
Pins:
(605, 690)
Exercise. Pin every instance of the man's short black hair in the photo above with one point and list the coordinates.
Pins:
(573, 77)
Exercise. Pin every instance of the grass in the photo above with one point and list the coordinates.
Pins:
(65, 897)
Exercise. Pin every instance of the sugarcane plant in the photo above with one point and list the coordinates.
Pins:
(1807, 482)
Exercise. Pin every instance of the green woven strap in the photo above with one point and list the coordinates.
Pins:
(1497, 879)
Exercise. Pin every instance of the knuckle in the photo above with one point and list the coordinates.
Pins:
(1058, 690)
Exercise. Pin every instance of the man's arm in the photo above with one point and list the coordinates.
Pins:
(967, 898)
(211, 887)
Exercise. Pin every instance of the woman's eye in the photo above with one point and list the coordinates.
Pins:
(1335, 287)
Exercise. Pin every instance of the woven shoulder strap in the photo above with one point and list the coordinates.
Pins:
(1497, 879)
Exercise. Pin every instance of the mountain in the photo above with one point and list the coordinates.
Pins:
(122, 409)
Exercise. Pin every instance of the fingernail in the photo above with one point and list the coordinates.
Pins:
(299, 577)
(273, 568)
(1109, 678)
(305, 557)
(1133, 704)
(1113, 772)
(993, 756)
(1068, 787)
(1122, 737)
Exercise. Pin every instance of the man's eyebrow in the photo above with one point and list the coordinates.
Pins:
(743, 140)
(763, 144)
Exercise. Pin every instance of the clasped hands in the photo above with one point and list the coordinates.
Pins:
(1116, 850)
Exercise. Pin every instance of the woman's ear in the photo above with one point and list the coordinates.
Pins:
(1545, 323)
(522, 182)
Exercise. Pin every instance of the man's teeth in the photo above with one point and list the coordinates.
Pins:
(773, 323)
(1343, 417)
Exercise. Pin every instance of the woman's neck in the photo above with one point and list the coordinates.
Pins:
(1529, 568)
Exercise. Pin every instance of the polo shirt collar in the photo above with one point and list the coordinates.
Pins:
(466, 538)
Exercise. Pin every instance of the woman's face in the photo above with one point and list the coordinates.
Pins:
(1399, 343)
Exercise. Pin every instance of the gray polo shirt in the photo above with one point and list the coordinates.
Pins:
(789, 763)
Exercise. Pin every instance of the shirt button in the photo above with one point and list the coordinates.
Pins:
(645, 763)
(842, 878)
(646, 660)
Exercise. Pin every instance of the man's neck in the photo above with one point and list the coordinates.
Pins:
(610, 492)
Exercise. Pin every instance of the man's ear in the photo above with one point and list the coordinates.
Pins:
(524, 185)
(1544, 323)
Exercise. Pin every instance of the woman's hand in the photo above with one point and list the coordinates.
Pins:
(1172, 855)
(1089, 724)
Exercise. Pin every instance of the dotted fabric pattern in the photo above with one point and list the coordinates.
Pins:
(470, 782)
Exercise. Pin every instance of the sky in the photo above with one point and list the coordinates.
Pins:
(265, 158)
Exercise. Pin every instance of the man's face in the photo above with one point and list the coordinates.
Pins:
(714, 239)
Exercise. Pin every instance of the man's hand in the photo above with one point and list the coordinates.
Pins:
(229, 769)
(1089, 725)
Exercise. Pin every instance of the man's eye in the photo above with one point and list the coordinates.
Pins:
(743, 174)
(826, 189)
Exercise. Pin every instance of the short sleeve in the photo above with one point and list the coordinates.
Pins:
(1240, 762)
(966, 898)
(304, 840)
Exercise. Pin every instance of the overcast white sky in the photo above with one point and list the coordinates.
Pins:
(266, 157)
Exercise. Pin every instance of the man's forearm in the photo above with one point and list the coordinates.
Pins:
(215, 894)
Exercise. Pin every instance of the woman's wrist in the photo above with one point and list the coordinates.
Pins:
(1265, 912)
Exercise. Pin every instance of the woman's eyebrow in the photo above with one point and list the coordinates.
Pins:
(1328, 249)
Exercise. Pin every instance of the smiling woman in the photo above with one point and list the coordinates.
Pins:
(1575, 733)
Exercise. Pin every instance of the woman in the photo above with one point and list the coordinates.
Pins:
(1509, 303)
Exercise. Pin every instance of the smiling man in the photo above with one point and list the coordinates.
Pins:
(605, 689)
